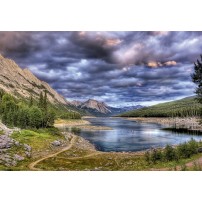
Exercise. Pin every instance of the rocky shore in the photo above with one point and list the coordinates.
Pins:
(191, 123)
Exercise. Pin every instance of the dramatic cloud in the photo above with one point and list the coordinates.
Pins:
(116, 67)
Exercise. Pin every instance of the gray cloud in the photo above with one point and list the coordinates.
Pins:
(116, 67)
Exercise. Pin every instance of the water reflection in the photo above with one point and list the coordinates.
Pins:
(132, 136)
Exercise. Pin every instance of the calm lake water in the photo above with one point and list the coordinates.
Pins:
(131, 136)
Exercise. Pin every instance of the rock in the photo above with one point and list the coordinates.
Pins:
(27, 147)
(56, 143)
(17, 143)
(28, 154)
(200, 150)
(18, 157)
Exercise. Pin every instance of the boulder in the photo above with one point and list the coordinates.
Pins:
(200, 150)
(27, 147)
(56, 143)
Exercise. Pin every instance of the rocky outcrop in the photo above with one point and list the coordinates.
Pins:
(21, 82)
(7, 143)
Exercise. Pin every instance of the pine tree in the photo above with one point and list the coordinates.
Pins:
(45, 102)
(31, 102)
(40, 103)
(197, 79)
(35, 117)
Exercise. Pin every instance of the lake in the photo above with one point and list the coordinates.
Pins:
(130, 135)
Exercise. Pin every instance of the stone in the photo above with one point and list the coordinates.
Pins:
(18, 157)
(27, 147)
(200, 150)
(17, 143)
(28, 154)
(56, 143)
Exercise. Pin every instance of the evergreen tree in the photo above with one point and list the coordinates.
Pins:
(31, 102)
(45, 102)
(35, 117)
(197, 79)
(40, 103)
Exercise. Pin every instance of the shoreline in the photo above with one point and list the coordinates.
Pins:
(82, 124)
(190, 123)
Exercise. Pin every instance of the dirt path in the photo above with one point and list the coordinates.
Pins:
(33, 164)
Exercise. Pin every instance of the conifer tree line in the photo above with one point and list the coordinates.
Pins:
(20, 114)
(34, 114)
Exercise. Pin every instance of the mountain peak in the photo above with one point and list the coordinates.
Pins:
(94, 104)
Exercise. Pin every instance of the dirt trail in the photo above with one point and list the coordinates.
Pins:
(33, 164)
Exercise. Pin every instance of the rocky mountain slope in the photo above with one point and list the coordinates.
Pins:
(94, 104)
(97, 108)
(22, 83)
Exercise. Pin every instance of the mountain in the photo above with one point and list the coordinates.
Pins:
(93, 107)
(96, 108)
(22, 82)
(179, 108)
(76, 103)
(119, 110)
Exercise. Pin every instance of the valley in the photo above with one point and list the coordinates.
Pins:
(42, 130)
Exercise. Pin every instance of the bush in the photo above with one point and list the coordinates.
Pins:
(193, 146)
(147, 156)
(169, 153)
(156, 155)
(182, 151)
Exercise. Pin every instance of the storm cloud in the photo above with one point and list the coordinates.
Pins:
(120, 68)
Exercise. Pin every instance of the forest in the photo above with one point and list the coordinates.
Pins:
(31, 113)
(187, 107)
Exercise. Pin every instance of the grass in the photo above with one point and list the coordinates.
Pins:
(84, 159)
(110, 162)
(37, 139)
(1, 132)
(40, 141)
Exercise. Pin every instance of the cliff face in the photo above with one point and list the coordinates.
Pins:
(22, 83)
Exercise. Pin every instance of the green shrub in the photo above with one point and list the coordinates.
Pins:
(193, 146)
(169, 153)
(156, 155)
(147, 156)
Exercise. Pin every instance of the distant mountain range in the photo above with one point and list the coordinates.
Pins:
(96, 108)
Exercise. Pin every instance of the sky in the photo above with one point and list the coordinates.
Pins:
(119, 68)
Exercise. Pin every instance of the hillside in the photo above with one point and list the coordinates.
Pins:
(179, 108)
(22, 83)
